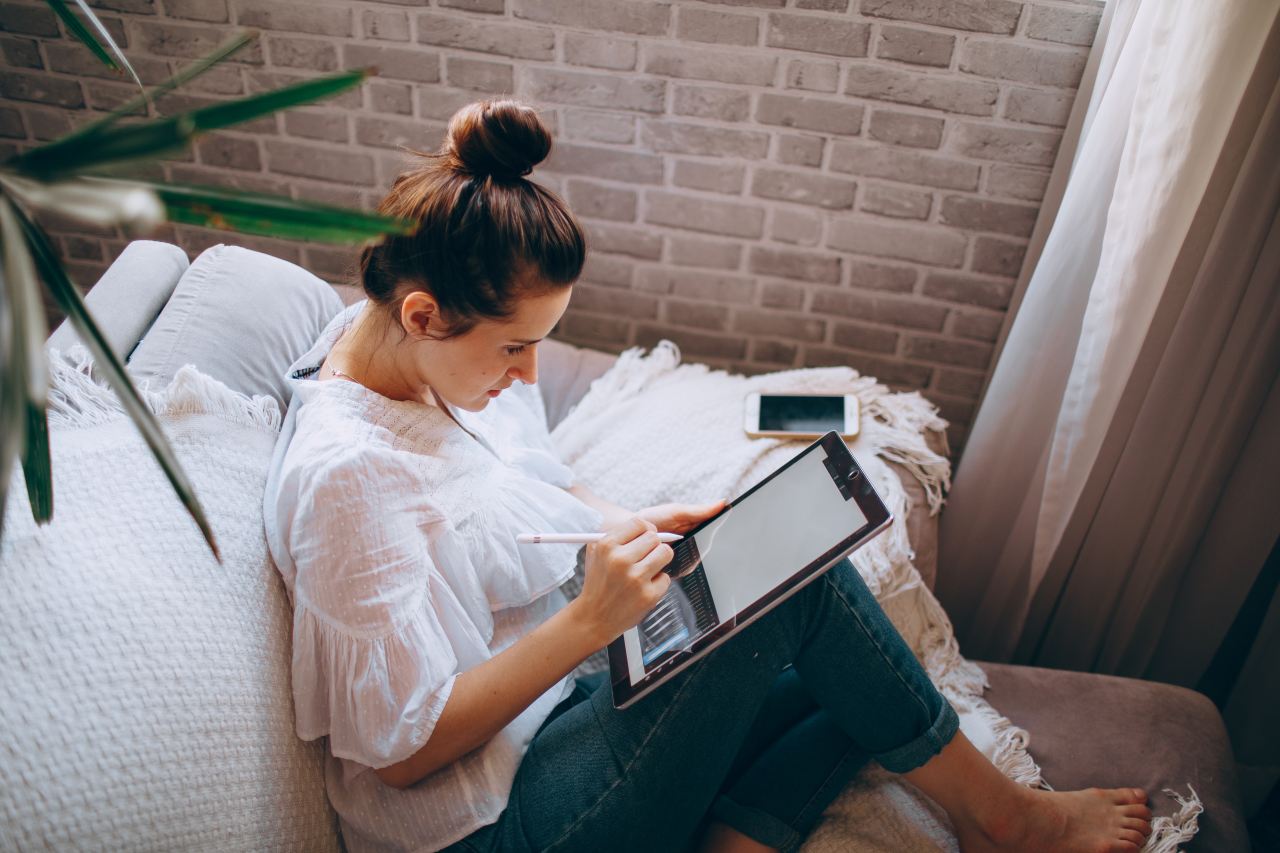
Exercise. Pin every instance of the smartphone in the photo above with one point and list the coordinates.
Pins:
(789, 415)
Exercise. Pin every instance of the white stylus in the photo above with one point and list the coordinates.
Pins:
(577, 538)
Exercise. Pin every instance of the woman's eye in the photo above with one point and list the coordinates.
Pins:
(515, 350)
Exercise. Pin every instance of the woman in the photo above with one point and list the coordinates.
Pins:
(437, 656)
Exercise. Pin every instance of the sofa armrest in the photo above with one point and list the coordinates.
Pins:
(129, 296)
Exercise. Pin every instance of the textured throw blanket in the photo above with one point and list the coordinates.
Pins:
(652, 430)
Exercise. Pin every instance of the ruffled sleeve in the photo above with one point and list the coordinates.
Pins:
(375, 627)
(520, 424)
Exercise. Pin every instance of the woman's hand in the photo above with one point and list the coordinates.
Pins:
(680, 518)
(623, 578)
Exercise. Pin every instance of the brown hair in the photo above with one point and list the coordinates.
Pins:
(486, 235)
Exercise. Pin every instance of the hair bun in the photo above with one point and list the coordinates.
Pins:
(502, 138)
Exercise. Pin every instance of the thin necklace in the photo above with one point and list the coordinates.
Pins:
(336, 372)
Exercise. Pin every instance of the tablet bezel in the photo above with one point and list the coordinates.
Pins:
(869, 503)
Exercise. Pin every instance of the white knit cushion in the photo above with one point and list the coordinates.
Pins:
(144, 687)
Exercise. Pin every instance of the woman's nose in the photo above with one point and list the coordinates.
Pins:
(527, 368)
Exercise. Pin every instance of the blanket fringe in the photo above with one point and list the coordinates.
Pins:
(1168, 832)
(78, 398)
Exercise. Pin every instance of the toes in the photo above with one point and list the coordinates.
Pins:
(1125, 796)
(1136, 824)
(1125, 847)
(1136, 810)
(1133, 837)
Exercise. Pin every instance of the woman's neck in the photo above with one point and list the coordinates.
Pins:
(369, 353)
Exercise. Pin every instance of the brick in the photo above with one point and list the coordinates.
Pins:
(711, 102)
(926, 245)
(72, 58)
(775, 294)
(981, 326)
(47, 125)
(639, 17)
(708, 25)
(593, 90)
(968, 289)
(686, 138)
(385, 25)
(822, 5)
(419, 66)
(948, 352)
(882, 310)
(1039, 106)
(588, 327)
(263, 81)
(28, 20)
(869, 338)
(104, 96)
(219, 80)
(82, 248)
(953, 409)
(608, 270)
(311, 54)
(598, 201)
(816, 76)
(278, 16)
(700, 214)
(229, 152)
(918, 47)
(789, 326)
(796, 226)
(696, 344)
(817, 34)
(1022, 63)
(440, 103)
(758, 4)
(615, 301)
(912, 167)
(22, 53)
(41, 88)
(210, 11)
(727, 178)
(803, 188)
(392, 133)
(971, 97)
(806, 113)
(697, 252)
(488, 77)
(636, 168)
(11, 124)
(794, 264)
(694, 284)
(985, 16)
(982, 215)
(799, 150)
(599, 126)
(496, 7)
(892, 372)
(705, 64)
(216, 177)
(1065, 26)
(1006, 144)
(390, 97)
(335, 265)
(326, 164)
(640, 243)
(1017, 182)
(908, 129)
(699, 315)
(317, 124)
(487, 36)
(966, 383)
(895, 202)
(997, 257)
(774, 352)
(599, 51)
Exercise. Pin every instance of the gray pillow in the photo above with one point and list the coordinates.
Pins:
(240, 316)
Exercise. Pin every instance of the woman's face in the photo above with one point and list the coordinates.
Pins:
(473, 368)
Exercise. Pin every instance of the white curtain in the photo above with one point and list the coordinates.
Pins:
(1142, 347)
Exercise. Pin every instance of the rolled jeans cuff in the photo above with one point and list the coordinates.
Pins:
(914, 753)
(757, 825)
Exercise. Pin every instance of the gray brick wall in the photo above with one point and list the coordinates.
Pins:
(770, 183)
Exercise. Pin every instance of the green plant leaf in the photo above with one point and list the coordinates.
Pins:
(77, 29)
(154, 138)
(25, 367)
(69, 299)
(183, 77)
(274, 216)
(104, 203)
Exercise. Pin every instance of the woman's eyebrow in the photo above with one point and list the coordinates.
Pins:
(518, 341)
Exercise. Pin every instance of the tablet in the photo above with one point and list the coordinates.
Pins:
(738, 565)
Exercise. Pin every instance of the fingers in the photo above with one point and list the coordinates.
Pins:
(626, 531)
(651, 563)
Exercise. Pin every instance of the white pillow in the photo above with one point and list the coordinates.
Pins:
(145, 701)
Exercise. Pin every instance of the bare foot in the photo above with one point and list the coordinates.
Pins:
(1094, 820)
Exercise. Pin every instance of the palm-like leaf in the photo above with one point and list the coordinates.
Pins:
(115, 58)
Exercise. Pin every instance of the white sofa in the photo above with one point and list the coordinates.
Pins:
(172, 728)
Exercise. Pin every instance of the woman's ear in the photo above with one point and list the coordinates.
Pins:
(419, 314)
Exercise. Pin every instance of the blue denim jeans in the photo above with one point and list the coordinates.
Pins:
(761, 734)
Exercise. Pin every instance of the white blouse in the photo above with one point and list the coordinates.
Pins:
(395, 533)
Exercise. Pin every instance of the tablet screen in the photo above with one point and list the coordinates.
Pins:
(734, 562)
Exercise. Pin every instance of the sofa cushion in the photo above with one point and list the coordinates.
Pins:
(242, 317)
(145, 701)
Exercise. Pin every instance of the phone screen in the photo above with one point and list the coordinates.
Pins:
(783, 413)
